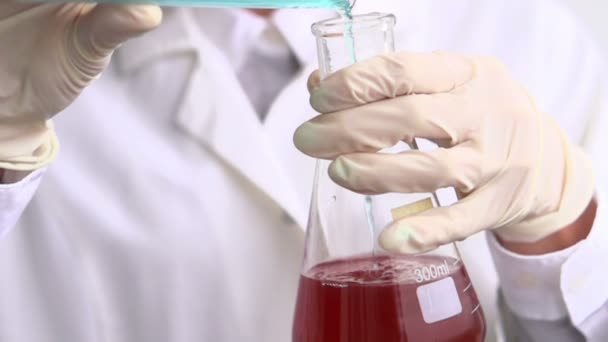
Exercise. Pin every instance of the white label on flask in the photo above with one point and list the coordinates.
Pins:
(439, 300)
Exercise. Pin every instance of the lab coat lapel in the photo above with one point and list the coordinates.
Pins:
(216, 112)
(286, 114)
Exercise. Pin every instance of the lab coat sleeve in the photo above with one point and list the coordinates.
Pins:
(14, 198)
(563, 296)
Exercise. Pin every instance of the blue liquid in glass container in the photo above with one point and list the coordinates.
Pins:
(338, 4)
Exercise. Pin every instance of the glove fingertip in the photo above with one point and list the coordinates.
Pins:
(304, 138)
(314, 81)
(402, 238)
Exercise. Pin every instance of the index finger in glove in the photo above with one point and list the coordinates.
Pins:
(380, 125)
(389, 76)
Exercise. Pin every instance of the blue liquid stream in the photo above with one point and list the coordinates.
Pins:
(338, 4)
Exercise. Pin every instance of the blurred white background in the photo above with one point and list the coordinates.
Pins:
(595, 15)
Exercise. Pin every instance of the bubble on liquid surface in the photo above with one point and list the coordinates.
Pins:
(379, 270)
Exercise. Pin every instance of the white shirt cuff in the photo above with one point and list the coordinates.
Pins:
(571, 282)
(584, 280)
(15, 197)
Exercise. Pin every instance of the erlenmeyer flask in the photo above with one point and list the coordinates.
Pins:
(351, 291)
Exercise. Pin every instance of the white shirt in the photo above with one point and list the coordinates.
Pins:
(137, 243)
(256, 49)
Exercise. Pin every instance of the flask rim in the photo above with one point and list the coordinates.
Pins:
(359, 23)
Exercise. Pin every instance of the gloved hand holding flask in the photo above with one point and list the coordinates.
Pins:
(514, 168)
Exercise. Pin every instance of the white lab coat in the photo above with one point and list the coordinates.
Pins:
(173, 214)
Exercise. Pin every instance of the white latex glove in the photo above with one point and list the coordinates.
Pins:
(511, 164)
(48, 55)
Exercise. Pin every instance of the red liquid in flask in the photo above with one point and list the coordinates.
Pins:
(376, 299)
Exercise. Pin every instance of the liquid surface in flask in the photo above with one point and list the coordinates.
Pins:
(380, 298)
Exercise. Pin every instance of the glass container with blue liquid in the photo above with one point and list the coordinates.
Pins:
(338, 4)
